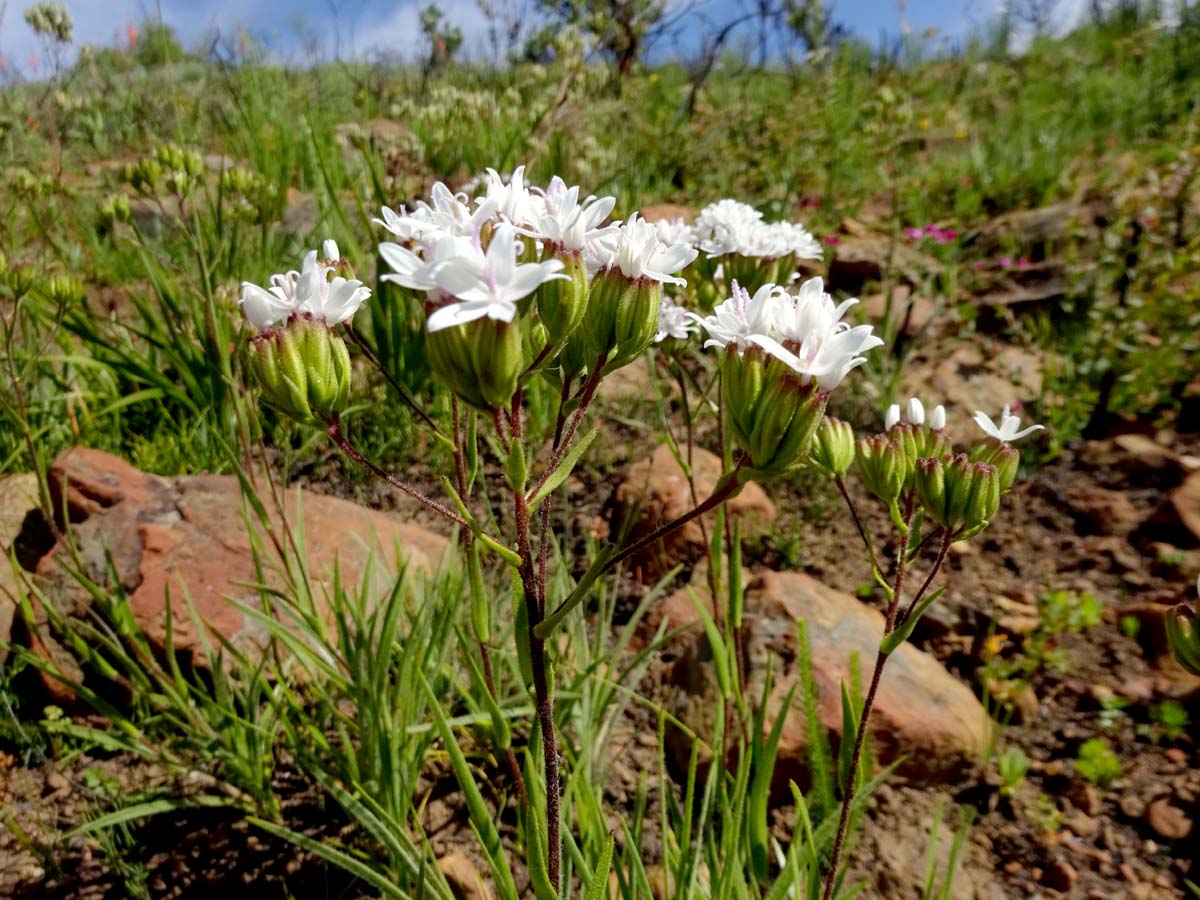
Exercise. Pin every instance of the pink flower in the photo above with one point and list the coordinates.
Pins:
(915, 233)
(1022, 262)
(833, 240)
(1006, 262)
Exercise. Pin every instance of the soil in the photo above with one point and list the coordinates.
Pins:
(1056, 835)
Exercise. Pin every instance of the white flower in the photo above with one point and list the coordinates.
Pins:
(562, 220)
(264, 308)
(448, 213)
(729, 226)
(310, 292)
(674, 231)
(743, 320)
(488, 284)
(914, 414)
(512, 201)
(806, 333)
(417, 271)
(674, 321)
(637, 251)
(1006, 431)
(399, 224)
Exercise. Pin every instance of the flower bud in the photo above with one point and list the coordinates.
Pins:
(1004, 456)
(1183, 634)
(480, 361)
(20, 280)
(561, 302)
(833, 447)
(303, 370)
(65, 290)
(958, 494)
(929, 481)
(773, 414)
(910, 441)
(937, 445)
(881, 466)
(621, 318)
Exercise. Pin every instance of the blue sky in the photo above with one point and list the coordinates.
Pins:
(363, 26)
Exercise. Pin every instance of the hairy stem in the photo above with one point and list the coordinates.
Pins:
(335, 434)
(868, 703)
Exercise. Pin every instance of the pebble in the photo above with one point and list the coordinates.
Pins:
(1168, 820)
(1084, 797)
(56, 783)
(1176, 755)
(1083, 825)
(1059, 876)
(1132, 805)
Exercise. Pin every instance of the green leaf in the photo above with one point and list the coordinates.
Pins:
(597, 888)
(339, 858)
(564, 468)
(481, 819)
(902, 631)
(145, 811)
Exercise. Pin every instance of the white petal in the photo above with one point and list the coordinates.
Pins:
(455, 314)
(892, 419)
(915, 412)
(937, 419)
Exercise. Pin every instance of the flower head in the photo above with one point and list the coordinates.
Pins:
(674, 322)
(310, 292)
(558, 217)
(637, 251)
(487, 283)
(1007, 430)
(511, 199)
(729, 226)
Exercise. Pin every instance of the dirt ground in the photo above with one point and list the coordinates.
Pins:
(1098, 520)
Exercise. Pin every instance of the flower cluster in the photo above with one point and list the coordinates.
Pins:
(300, 362)
(936, 233)
(315, 292)
(739, 246)
(596, 285)
(783, 354)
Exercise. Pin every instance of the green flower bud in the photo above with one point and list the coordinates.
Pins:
(910, 441)
(881, 466)
(751, 272)
(65, 290)
(937, 445)
(1183, 634)
(929, 481)
(985, 496)
(1005, 457)
(303, 370)
(621, 318)
(21, 280)
(480, 361)
(561, 303)
(833, 447)
(773, 414)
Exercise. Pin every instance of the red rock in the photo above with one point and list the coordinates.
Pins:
(185, 539)
(465, 880)
(1168, 820)
(1107, 511)
(1186, 501)
(922, 712)
(656, 491)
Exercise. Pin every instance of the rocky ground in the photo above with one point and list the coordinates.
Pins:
(1116, 519)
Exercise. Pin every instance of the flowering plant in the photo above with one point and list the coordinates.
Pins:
(524, 287)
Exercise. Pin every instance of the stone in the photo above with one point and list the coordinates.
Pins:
(465, 881)
(921, 713)
(631, 382)
(910, 313)
(1186, 501)
(1168, 820)
(1059, 876)
(860, 260)
(18, 497)
(180, 544)
(1084, 797)
(301, 215)
(1035, 227)
(1105, 511)
(656, 491)
(665, 212)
